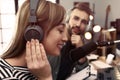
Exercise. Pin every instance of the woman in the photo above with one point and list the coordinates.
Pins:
(26, 60)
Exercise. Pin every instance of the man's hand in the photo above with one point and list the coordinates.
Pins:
(76, 40)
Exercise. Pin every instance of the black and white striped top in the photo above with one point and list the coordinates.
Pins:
(8, 72)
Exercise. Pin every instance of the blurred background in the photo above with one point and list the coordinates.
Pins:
(106, 14)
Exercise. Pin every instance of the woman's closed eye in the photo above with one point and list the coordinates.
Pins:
(61, 28)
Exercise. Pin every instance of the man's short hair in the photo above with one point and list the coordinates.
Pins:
(83, 7)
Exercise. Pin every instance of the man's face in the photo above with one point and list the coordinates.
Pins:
(78, 21)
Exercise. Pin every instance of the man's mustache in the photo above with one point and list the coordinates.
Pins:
(77, 29)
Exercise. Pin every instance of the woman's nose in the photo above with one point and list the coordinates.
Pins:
(65, 37)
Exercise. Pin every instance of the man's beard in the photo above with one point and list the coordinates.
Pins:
(76, 30)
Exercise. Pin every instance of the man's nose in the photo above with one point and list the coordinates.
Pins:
(78, 23)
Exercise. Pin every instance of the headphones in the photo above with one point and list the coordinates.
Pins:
(33, 30)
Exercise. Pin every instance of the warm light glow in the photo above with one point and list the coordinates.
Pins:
(91, 17)
(112, 29)
(54, 1)
(96, 28)
(88, 35)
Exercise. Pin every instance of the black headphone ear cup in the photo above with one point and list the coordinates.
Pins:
(33, 32)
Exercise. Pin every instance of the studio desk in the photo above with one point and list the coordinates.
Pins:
(99, 69)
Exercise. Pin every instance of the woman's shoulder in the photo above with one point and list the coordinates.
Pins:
(4, 64)
(9, 72)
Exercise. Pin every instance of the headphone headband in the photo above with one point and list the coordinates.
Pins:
(33, 8)
(33, 31)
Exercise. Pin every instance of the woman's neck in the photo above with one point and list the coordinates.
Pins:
(17, 61)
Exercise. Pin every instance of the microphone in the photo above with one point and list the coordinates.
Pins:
(107, 43)
(77, 53)
(80, 52)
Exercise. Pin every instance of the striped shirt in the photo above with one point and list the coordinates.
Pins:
(8, 72)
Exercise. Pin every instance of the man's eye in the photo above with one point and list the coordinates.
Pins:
(76, 18)
(85, 22)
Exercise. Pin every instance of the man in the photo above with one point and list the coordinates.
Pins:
(77, 22)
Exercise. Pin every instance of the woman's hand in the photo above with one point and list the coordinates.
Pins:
(37, 61)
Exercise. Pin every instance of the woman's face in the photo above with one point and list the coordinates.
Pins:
(55, 40)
